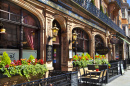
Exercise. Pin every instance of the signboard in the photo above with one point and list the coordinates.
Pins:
(74, 79)
(49, 52)
(102, 50)
(122, 69)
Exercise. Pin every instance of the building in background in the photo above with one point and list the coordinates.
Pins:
(125, 27)
(31, 27)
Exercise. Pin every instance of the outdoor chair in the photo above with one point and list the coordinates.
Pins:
(97, 79)
(104, 76)
(83, 77)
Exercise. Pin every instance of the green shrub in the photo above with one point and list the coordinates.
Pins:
(5, 59)
(31, 58)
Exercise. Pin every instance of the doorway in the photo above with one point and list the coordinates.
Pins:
(57, 48)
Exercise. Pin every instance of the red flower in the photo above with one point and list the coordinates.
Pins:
(35, 60)
(14, 61)
(29, 61)
(41, 61)
(7, 66)
(80, 57)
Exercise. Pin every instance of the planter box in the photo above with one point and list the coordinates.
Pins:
(17, 79)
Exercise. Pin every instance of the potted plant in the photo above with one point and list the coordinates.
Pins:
(21, 71)
(97, 67)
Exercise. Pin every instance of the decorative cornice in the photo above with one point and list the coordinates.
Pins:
(70, 13)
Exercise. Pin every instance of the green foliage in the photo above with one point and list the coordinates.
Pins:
(82, 61)
(31, 58)
(5, 59)
(101, 8)
(96, 66)
(98, 61)
(25, 70)
(0, 57)
(109, 65)
(2, 64)
(75, 58)
(24, 62)
(92, 1)
(104, 61)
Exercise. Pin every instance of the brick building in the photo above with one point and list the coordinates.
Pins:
(29, 26)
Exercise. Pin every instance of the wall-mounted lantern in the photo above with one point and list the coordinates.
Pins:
(55, 32)
(2, 29)
(74, 35)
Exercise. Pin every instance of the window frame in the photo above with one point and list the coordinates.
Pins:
(21, 24)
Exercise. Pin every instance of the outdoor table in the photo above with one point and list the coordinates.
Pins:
(93, 72)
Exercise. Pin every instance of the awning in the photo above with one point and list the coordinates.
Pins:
(126, 40)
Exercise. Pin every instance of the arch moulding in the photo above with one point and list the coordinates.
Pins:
(31, 9)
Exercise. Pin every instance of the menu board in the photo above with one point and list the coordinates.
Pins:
(122, 69)
(49, 52)
(74, 79)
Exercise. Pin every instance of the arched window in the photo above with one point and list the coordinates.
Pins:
(81, 45)
(22, 31)
(98, 41)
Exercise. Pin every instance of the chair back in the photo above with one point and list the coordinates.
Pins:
(101, 74)
(105, 72)
(81, 70)
(85, 70)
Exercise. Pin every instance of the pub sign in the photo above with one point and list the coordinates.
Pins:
(102, 50)
(49, 52)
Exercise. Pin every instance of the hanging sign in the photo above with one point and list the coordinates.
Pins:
(49, 52)
(102, 50)
(114, 40)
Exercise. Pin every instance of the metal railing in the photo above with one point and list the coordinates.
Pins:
(114, 70)
(99, 14)
(64, 79)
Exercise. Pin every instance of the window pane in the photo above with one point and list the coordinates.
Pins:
(86, 46)
(3, 11)
(30, 39)
(10, 40)
(28, 19)
(15, 13)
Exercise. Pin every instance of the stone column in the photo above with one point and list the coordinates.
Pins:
(66, 46)
(93, 46)
(49, 21)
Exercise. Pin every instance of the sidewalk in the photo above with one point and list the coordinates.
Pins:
(123, 80)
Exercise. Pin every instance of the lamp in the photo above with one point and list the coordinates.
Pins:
(54, 32)
(74, 36)
(2, 29)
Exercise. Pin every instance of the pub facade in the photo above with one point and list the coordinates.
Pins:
(46, 29)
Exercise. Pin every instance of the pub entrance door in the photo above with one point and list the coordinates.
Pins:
(56, 57)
